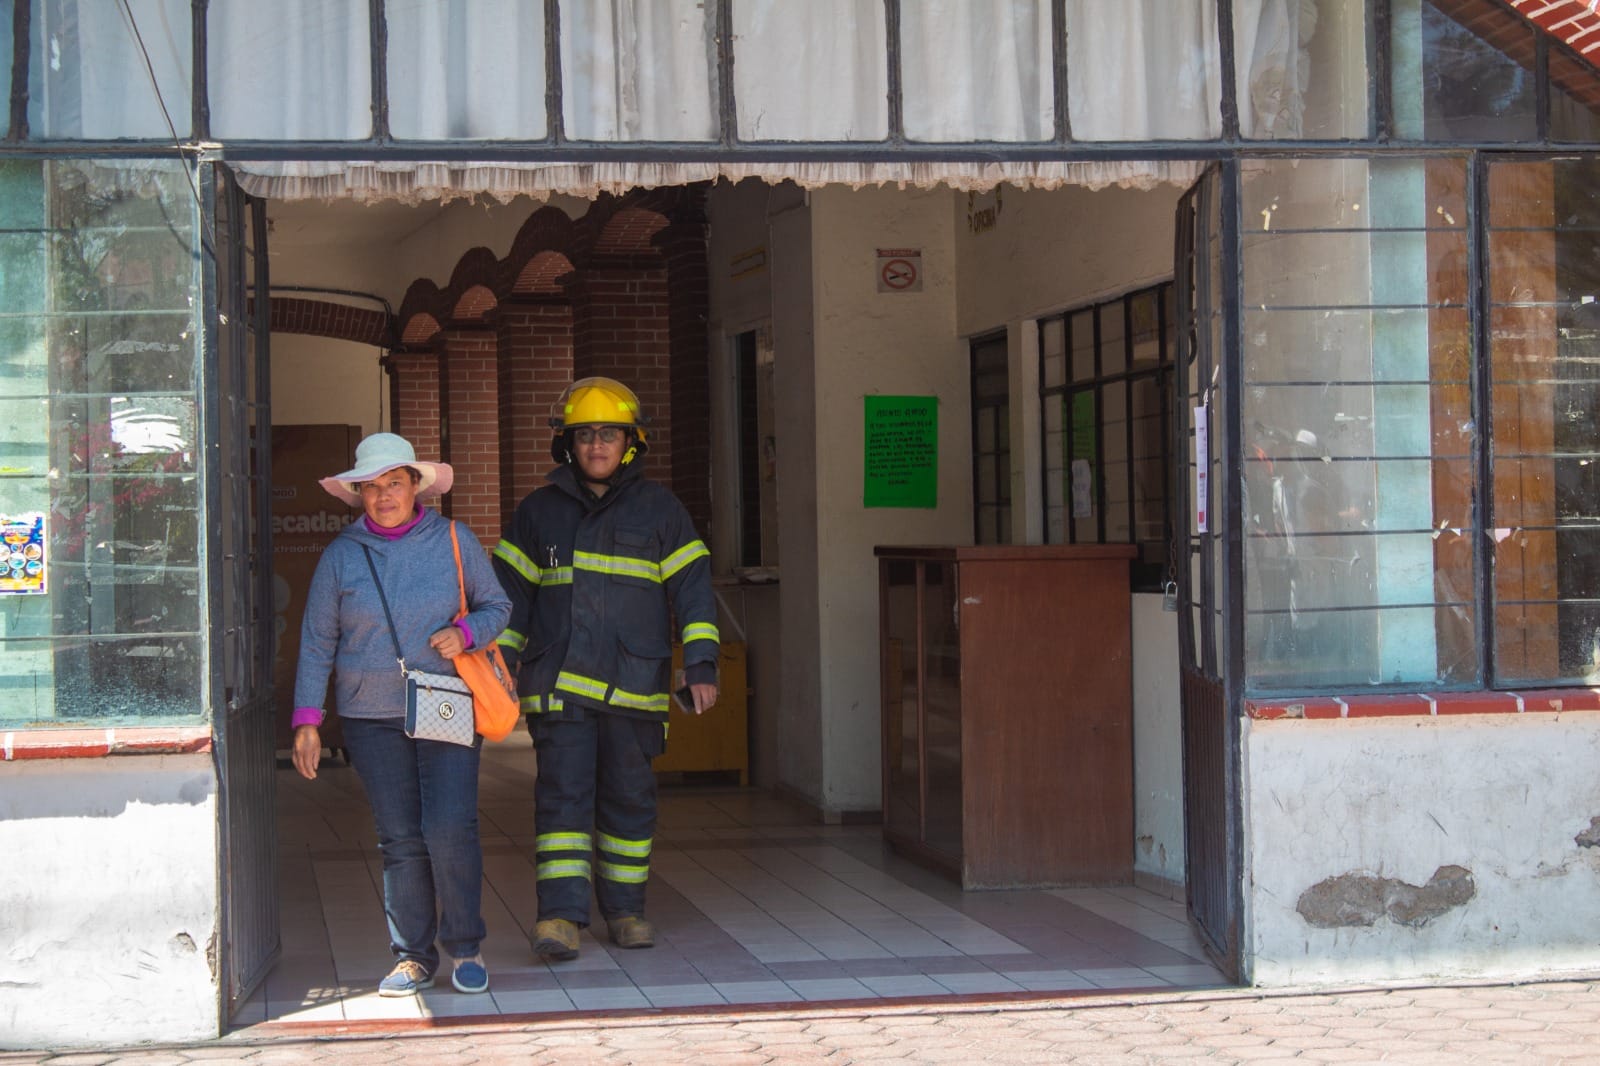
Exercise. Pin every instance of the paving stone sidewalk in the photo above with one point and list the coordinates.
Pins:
(1533, 1023)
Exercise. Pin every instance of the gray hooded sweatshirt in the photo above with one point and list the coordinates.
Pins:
(344, 633)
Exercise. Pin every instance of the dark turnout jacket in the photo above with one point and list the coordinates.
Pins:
(595, 584)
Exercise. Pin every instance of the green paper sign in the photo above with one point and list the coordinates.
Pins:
(902, 451)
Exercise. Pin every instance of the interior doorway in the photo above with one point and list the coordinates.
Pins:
(443, 277)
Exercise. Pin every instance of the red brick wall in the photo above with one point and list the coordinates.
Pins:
(689, 293)
(416, 409)
(620, 330)
(469, 387)
(322, 318)
(621, 292)
(535, 366)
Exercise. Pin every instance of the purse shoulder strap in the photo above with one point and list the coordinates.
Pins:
(399, 656)
(461, 577)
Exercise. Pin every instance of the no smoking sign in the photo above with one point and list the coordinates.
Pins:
(899, 269)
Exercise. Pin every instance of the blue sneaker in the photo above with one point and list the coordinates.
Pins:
(406, 979)
(470, 976)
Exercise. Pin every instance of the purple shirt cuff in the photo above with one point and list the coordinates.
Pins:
(306, 716)
(466, 630)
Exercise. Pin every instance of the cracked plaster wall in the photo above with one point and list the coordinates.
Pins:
(108, 905)
(1419, 847)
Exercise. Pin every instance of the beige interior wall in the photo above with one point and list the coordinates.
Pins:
(889, 343)
(1046, 251)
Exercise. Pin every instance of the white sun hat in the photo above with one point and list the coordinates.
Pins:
(380, 453)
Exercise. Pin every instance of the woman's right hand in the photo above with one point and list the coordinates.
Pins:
(307, 751)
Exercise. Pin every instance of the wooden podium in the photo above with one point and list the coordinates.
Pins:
(1007, 698)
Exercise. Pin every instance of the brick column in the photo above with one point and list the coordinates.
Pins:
(620, 329)
(416, 399)
(470, 437)
(688, 296)
(535, 365)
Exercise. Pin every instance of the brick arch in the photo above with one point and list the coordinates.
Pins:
(473, 304)
(630, 231)
(548, 228)
(419, 330)
(323, 318)
(541, 274)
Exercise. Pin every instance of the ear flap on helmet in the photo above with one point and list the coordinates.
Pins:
(560, 451)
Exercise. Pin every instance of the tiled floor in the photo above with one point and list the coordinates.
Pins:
(753, 902)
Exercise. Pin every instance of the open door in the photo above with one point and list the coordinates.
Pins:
(239, 574)
(1205, 565)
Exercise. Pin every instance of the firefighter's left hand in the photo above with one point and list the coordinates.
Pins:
(704, 697)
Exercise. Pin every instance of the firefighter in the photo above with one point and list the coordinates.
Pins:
(598, 564)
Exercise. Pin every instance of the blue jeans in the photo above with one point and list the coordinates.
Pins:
(424, 797)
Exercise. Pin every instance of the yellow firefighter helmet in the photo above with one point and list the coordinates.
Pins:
(597, 402)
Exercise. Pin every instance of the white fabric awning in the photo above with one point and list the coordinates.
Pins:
(412, 182)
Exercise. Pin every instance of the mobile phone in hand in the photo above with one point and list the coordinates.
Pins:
(684, 698)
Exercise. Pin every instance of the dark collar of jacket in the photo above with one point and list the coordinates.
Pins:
(565, 477)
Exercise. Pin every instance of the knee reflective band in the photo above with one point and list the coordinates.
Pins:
(627, 875)
(631, 849)
(563, 842)
(569, 855)
(564, 868)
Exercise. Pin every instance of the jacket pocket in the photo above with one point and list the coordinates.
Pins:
(634, 558)
(643, 662)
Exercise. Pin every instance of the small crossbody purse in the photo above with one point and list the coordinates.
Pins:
(438, 706)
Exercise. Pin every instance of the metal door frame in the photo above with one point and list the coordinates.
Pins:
(1206, 290)
(236, 386)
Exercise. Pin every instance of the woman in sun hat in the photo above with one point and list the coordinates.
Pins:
(424, 793)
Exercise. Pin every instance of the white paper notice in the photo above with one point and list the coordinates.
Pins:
(1202, 467)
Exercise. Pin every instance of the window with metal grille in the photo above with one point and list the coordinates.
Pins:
(991, 442)
(1105, 374)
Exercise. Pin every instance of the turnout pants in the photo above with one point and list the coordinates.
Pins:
(595, 810)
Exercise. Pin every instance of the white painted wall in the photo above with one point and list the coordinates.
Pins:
(800, 731)
(316, 380)
(897, 344)
(1158, 849)
(1501, 795)
(740, 300)
(1054, 249)
(111, 920)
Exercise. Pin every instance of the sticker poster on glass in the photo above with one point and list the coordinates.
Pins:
(22, 558)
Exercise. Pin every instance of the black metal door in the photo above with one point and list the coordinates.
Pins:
(240, 576)
(1204, 563)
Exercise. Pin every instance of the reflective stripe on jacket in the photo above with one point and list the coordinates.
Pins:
(594, 587)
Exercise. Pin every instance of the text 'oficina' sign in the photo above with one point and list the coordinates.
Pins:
(902, 451)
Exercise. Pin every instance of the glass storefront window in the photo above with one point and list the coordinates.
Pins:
(1463, 70)
(638, 72)
(465, 71)
(1301, 69)
(976, 70)
(108, 71)
(1544, 329)
(1574, 98)
(812, 71)
(291, 70)
(1358, 435)
(99, 444)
